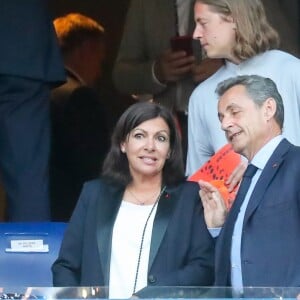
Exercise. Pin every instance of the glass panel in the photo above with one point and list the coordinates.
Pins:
(50, 293)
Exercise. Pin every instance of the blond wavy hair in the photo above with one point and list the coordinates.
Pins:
(254, 34)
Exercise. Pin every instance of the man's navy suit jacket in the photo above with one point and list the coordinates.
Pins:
(271, 229)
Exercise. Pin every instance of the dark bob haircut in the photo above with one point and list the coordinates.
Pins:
(116, 167)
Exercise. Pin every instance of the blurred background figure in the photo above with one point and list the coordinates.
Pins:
(30, 65)
(80, 134)
(148, 67)
(284, 16)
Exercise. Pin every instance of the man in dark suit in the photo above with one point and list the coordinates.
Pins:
(80, 135)
(30, 64)
(259, 242)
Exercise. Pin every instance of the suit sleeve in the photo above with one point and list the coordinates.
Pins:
(66, 269)
(132, 72)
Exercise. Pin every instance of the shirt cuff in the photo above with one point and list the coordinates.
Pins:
(155, 78)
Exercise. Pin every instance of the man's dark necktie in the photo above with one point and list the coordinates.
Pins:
(232, 215)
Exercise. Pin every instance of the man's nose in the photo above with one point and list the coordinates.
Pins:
(226, 123)
(197, 34)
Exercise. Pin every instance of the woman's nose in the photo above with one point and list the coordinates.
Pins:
(150, 144)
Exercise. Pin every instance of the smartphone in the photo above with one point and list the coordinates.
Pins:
(182, 43)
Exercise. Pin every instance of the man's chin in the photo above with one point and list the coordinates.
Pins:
(236, 148)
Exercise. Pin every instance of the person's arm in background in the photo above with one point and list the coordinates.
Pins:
(66, 270)
(199, 142)
(137, 73)
(138, 70)
(132, 73)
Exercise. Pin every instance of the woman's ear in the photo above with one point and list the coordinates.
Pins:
(122, 148)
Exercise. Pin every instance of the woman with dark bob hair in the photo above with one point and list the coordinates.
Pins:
(116, 167)
(141, 224)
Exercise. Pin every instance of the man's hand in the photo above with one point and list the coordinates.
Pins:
(206, 68)
(172, 66)
(214, 207)
(236, 176)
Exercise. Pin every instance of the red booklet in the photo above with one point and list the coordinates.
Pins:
(218, 169)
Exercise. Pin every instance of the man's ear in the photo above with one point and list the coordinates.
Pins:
(270, 107)
(230, 19)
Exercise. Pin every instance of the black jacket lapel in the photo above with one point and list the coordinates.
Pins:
(107, 209)
(161, 221)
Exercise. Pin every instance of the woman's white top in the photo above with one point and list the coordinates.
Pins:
(126, 243)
